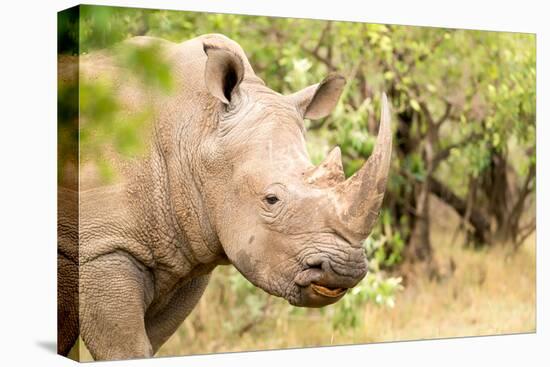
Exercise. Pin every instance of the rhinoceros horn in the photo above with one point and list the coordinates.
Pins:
(361, 195)
(329, 172)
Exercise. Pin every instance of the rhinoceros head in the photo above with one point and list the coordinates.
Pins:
(293, 229)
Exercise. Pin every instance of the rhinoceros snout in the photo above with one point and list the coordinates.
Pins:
(326, 279)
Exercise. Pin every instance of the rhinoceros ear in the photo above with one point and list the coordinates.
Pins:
(223, 74)
(318, 100)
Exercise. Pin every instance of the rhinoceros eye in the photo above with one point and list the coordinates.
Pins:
(271, 199)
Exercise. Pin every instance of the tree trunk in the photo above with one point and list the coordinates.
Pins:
(476, 218)
(495, 185)
(419, 246)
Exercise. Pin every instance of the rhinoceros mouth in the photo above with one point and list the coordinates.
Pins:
(328, 291)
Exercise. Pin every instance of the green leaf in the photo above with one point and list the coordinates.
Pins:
(415, 105)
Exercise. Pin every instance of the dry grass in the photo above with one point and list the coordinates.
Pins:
(490, 292)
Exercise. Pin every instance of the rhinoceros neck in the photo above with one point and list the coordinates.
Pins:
(178, 231)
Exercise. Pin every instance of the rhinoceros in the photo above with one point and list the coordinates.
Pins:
(227, 180)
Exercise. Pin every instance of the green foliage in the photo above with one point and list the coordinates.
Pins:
(104, 123)
(68, 31)
(148, 64)
(373, 288)
(385, 249)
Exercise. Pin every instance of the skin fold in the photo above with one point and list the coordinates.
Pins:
(227, 180)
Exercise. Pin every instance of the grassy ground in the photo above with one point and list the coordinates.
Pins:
(489, 292)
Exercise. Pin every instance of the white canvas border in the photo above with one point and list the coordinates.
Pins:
(28, 184)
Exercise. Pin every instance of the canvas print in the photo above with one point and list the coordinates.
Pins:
(236, 183)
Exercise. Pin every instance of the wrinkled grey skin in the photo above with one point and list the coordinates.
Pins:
(227, 181)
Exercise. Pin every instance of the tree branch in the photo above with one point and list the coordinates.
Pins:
(526, 231)
(480, 223)
(324, 32)
(316, 51)
(446, 114)
(322, 59)
(445, 152)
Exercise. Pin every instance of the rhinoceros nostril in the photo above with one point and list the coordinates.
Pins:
(316, 266)
(315, 262)
(327, 266)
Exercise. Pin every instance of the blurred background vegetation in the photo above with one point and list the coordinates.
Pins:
(453, 253)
